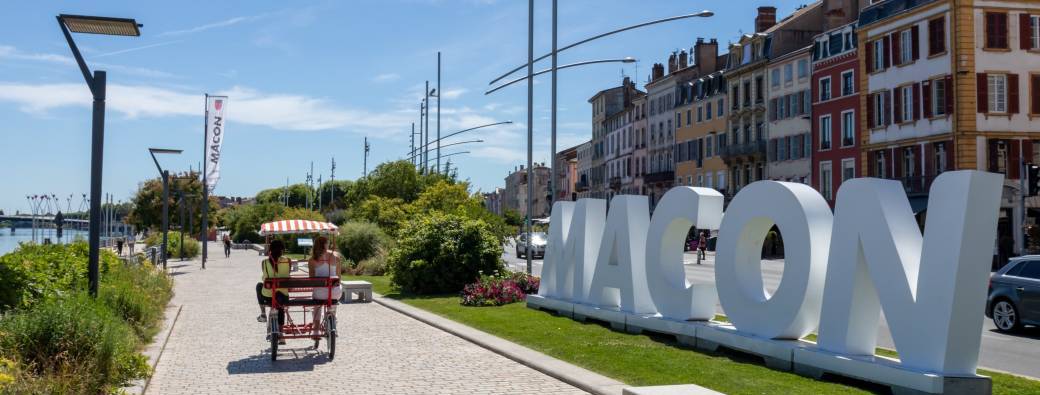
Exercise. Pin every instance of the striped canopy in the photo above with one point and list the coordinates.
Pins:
(289, 226)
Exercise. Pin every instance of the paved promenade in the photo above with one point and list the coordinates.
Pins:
(218, 347)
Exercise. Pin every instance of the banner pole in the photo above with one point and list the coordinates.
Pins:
(205, 185)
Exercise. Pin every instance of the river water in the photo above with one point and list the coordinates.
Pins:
(9, 241)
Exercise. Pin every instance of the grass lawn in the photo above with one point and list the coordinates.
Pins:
(645, 359)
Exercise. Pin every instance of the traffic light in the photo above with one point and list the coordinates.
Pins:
(1032, 179)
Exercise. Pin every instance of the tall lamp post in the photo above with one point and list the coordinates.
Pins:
(97, 83)
(165, 174)
(460, 143)
(530, 93)
(420, 150)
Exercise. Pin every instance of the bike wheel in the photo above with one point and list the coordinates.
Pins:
(274, 335)
(330, 335)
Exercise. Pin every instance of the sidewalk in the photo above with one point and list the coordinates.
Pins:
(217, 346)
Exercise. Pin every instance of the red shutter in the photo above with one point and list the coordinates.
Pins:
(1014, 164)
(926, 98)
(929, 160)
(949, 96)
(917, 101)
(897, 109)
(897, 162)
(982, 97)
(887, 45)
(870, 58)
(896, 43)
(871, 158)
(870, 110)
(1012, 93)
(1035, 93)
(1024, 39)
(915, 38)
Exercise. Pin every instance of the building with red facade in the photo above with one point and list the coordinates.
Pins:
(835, 110)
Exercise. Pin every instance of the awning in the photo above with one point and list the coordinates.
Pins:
(289, 226)
(918, 204)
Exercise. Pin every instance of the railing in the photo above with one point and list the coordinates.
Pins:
(916, 185)
(753, 148)
(660, 176)
(581, 186)
(615, 183)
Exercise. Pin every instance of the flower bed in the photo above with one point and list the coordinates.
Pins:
(497, 290)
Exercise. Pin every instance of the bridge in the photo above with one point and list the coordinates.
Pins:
(46, 219)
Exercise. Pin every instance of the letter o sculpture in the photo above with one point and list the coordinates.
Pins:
(804, 219)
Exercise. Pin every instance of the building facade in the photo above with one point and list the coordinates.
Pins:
(938, 101)
(493, 200)
(566, 168)
(701, 119)
(788, 148)
(639, 160)
(835, 110)
(605, 104)
(584, 166)
(515, 196)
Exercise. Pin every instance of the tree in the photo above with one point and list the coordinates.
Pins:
(512, 217)
(146, 209)
(244, 221)
(298, 194)
(388, 213)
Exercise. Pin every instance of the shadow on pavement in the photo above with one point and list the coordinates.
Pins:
(1031, 332)
(302, 359)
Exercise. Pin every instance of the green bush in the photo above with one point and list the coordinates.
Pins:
(138, 294)
(83, 346)
(33, 271)
(358, 241)
(374, 266)
(441, 253)
(173, 244)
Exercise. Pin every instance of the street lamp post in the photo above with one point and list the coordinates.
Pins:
(165, 174)
(459, 143)
(97, 85)
(418, 152)
(530, 128)
(439, 91)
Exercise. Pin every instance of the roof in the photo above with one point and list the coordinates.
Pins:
(296, 226)
(794, 15)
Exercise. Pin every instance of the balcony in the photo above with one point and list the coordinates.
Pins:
(754, 149)
(660, 176)
(615, 183)
(916, 185)
(581, 186)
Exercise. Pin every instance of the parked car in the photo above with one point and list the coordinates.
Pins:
(538, 242)
(1014, 294)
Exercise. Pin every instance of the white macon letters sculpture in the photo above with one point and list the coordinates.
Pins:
(840, 272)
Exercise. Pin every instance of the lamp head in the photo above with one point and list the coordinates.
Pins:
(705, 13)
(101, 25)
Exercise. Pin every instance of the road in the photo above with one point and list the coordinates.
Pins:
(1016, 353)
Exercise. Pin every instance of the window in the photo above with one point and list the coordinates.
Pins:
(1030, 269)
(848, 169)
(1034, 31)
(719, 106)
(825, 132)
(803, 68)
(688, 116)
(938, 97)
(879, 166)
(879, 55)
(826, 180)
(848, 85)
(997, 92)
(707, 110)
(848, 129)
(759, 90)
(788, 73)
(825, 88)
(940, 157)
(937, 36)
(880, 110)
(775, 77)
(908, 162)
(780, 107)
(996, 30)
(700, 114)
(906, 54)
(907, 103)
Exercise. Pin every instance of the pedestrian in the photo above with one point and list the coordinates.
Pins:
(702, 245)
(119, 246)
(130, 241)
(227, 246)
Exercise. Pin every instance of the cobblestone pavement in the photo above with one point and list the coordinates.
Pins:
(218, 347)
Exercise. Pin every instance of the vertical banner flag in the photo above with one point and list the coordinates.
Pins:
(215, 110)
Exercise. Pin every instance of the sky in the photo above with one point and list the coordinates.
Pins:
(309, 81)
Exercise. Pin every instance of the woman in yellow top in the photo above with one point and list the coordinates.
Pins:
(280, 269)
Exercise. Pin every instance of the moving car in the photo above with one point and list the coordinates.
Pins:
(1014, 294)
(538, 241)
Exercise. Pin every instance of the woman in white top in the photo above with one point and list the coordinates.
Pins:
(323, 263)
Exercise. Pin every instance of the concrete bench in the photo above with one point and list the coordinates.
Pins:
(363, 289)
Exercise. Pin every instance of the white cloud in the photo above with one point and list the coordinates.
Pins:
(122, 51)
(453, 93)
(12, 53)
(208, 26)
(386, 77)
(9, 52)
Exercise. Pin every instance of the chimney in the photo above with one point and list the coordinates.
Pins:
(706, 54)
(766, 19)
(671, 63)
(682, 60)
(658, 72)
